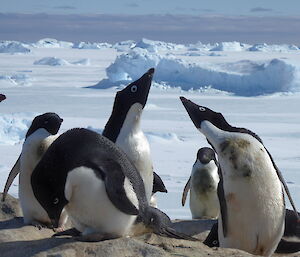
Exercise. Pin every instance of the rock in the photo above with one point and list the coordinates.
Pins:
(18, 240)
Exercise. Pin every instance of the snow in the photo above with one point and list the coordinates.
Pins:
(14, 128)
(124, 46)
(89, 45)
(54, 61)
(270, 80)
(243, 77)
(51, 61)
(228, 46)
(15, 80)
(52, 43)
(154, 46)
(13, 47)
(273, 48)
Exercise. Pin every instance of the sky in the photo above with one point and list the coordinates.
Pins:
(142, 7)
(188, 21)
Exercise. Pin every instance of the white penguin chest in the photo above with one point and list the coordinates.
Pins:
(137, 148)
(251, 187)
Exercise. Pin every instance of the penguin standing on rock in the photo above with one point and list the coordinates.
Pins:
(99, 187)
(40, 135)
(250, 190)
(124, 127)
(203, 184)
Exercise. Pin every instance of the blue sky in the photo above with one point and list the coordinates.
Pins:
(141, 7)
(179, 21)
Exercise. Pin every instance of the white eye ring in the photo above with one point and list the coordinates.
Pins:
(202, 109)
(133, 88)
(55, 201)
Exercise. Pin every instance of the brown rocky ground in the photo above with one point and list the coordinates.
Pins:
(17, 240)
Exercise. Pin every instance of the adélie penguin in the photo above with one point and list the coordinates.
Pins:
(97, 184)
(124, 127)
(202, 185)
(250, 190)
(40, 135)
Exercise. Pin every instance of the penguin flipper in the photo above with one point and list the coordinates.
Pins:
(13, 173)
(279, 174)
(222, 200)
(114, 179)
(158, 184)
(185, 191)
(285, 246)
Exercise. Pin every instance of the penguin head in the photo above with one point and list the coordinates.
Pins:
(214, 122)
(49, 191)
(129, 104)
(155, 219)
(135, 93)
(200, 114)
(205, 155)
(49, 121)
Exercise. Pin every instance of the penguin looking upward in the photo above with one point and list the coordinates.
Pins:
(40, 135)
(203, 184)
(97, 184)
(250, 184)
(124, 127)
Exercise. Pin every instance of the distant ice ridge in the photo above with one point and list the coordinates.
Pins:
(154, 46)
(88, 45)
(272, 48)
(229, 46)
(54, 61)
(13, 47)
(245, 78)
(15, 80)
(52, 43)
(13, 127)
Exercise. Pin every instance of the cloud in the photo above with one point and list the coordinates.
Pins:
(170, 28)
(133, 5)
(261, 9)
(65, 7)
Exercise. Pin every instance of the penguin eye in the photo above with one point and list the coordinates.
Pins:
(56, 200)
(133, 89)
(215, 242)
(202, 109)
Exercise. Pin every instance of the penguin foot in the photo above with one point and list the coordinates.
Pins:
(59, 229)
(73, 232)
(39, 225)
(95, 237)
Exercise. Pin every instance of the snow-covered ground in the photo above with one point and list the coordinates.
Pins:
(254, 86)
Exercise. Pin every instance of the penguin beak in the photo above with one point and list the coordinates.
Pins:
(193, 110)
(61, 120)
(54, 222)
(144, 84)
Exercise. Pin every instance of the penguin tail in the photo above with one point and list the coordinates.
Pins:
(161, 224)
